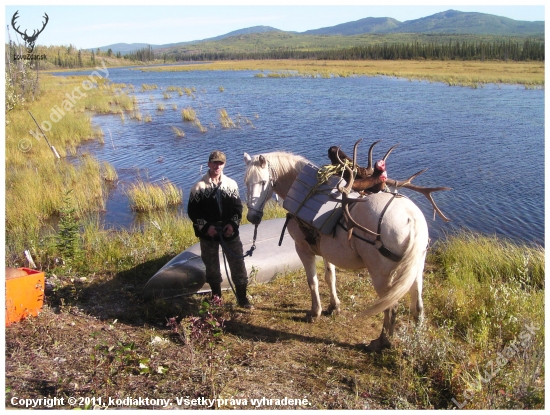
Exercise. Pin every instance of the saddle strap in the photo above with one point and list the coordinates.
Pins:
(384, 251)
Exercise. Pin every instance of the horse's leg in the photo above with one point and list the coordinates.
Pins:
(308, 259)
(330, 279)
(417, 306)
(382, 342)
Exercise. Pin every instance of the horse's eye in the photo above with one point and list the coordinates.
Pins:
(263, 183)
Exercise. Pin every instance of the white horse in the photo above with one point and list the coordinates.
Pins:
(403, 233)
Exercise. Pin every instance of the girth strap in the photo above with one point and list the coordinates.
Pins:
(384, 251)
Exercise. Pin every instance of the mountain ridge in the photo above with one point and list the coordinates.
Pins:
(447, 22)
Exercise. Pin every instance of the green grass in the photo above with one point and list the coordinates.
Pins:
(35, 180)
(147, 197)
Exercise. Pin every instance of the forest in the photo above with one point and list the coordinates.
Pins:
(529, 50)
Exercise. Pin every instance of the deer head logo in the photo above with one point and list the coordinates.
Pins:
(29, 40)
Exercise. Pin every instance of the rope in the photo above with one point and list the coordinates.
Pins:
(226, 249)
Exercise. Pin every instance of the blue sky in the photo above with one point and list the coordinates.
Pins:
(87, 26)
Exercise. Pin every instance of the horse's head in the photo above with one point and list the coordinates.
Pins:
(259, 183)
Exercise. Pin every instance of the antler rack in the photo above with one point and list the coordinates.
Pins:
(367, 180)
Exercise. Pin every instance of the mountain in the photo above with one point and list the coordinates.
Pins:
(247, 31)
(124, 47)
(132, 47)
(448, 22)
(358, 27)
(453, 21)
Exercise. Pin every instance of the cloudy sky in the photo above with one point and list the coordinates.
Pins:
(100, 24)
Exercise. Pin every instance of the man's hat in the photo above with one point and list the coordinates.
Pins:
(217, 156)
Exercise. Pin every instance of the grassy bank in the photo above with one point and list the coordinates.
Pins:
(481, 345)
(38, 185)
(469, 73)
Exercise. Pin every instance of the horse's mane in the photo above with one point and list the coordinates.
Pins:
(282, 162)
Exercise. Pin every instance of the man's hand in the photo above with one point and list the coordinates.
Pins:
(228, 230)
(211, 231)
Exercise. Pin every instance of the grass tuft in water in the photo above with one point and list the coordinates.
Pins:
(148, 197)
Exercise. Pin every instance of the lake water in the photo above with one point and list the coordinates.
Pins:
(486, 143)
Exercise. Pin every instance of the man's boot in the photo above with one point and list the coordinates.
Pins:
(242, 299)
(216, 289)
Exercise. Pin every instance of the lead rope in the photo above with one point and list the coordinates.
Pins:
(226, 249)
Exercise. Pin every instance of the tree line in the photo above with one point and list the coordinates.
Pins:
(528, 50)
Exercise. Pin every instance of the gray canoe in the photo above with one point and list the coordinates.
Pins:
(185, 273)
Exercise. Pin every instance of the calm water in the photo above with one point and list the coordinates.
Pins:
(485, 143)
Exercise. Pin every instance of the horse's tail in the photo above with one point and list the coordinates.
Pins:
(405, 273)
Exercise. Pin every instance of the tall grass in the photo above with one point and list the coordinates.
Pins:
(178, 131)
(35, 180)
(225, 119)
(147, 197)
(488, 287)
(188, 114)
(464, 73)
(108, 172)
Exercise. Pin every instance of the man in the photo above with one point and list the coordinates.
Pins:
(214, 206)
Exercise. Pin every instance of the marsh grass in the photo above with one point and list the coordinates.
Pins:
(148, 87)
(188, 114)
(136, 115)
(463, 73)
(190, 92)
(178, 131)
(225, 119)
(199, 126)
(108, 172)
(148, 197)
(35, 180)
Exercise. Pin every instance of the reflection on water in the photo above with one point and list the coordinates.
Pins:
(485, 143)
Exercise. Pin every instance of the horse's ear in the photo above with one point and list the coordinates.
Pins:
(263, 162)
(247, 159)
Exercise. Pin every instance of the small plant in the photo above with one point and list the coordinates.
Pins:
(178, 131)
(210, 322)
(198, 124)
(148, 87)
(148, 118)
(222, 89)
(225, 119)
(188, 114)
(108, 172)
(68, 235)
(160, 107)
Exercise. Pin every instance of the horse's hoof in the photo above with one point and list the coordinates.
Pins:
(333, 310)
(310, 318)
(376, 346)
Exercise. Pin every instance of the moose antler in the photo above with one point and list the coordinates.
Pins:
(369, 180)
(29, 40)
(345, 190)
(426, 191)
